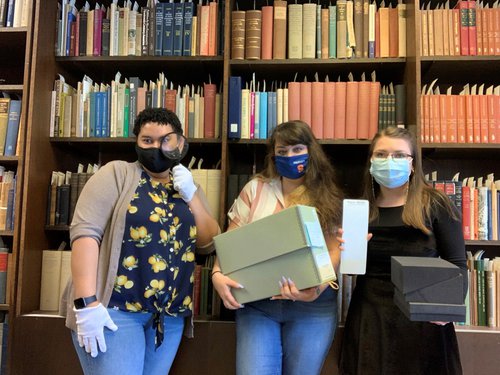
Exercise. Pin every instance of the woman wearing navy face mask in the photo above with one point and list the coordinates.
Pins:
(290, 333)
(407, 218)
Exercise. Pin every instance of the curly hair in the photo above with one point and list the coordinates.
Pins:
(161, 116)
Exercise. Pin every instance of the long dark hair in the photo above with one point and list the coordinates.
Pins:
(320, 188)
(421, 196)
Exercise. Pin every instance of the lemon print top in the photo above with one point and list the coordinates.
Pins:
(155, 271)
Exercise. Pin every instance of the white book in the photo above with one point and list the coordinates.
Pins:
(295, 33)
(309, 31)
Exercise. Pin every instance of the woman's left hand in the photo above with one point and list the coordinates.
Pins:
(289, 291)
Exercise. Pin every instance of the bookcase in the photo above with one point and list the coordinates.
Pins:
(15, 64)
(43, 338)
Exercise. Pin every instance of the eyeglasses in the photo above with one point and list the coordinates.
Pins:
(382, 155)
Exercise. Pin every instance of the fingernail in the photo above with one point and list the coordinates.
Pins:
(281, 284)
(283, 278)
(240, 286)
(290, 280)
(242, 305)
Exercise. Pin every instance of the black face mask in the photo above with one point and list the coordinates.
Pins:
(153, 159)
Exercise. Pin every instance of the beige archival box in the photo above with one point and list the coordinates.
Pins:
(289, 243)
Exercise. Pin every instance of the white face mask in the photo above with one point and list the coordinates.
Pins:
(391, 173)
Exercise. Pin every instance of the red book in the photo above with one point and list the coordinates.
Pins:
(435, 123)
(170, 99)
(464, 27)
(496, 17)
(483, 120)
(443, 118)
(252, 114)
(73, 40)
(461, 119)
(196, 290)
(293, 100)
(427, 118)
(492, 118)
(377, 33)
(340, 110)
(351, 110)
(452, 118)
(209, 90)
(482, 48)
(476, 213)
(363, 130)
(77, 35)
(476, 119)
(469, 120)
(328, 110)
(466, 212)
(317, 109)
(97, 32)
(267, 33)
(373, 109)
(305, 102)
(471, 5)
(492, 32)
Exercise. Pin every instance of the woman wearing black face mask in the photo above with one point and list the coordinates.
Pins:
(291, 333)
(134, 232)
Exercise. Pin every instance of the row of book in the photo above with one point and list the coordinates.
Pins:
(8, 180)
(56, 270)
(308, 31)
(478, 200)
(471, 28)
(15, 13)
(206, 301)
(63, 192)
(109, 110)
(157, 29)
(334, 110)
(10, 113)
(483, 299)
(472, 116)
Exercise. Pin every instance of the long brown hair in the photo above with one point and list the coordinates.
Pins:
(421, 196)
(319, 189)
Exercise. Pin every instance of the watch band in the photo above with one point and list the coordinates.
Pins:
(82, 302)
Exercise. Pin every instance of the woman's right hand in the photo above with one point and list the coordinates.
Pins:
(223, 285)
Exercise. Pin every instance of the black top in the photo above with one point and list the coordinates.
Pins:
(378, 338)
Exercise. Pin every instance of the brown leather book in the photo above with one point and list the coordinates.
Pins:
(358, 27)
(238, 35)
(363, 129)
(351, 118)
(253, 30)
(324, 33)
(209, 90)
(374, 108)
(393, 32)
(279, 30)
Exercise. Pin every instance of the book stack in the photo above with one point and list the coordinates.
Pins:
(471, 116)
(10, 112)
(109, 110)
(206, 301)
(178, 28)
(470, 28)
(15, 13)
(253, 113)
(349, 29)
(56, 270)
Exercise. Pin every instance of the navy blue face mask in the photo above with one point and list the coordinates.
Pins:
(291, 167)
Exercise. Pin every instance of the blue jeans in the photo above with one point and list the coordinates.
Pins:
(131, 349)
(285, 337)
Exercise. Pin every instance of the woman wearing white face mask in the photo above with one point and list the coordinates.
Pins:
(407, 218)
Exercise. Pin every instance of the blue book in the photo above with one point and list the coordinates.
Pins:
(105, 113)
(271, 110)
(234, 116)
(178, 28)
(12, 128)
(10, 14)
(188, 29)
(98, 115)
(168, 28)
(159, 12)
(71, 19)
(263, 116)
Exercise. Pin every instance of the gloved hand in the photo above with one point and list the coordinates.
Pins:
(183, 182)
(90, 324)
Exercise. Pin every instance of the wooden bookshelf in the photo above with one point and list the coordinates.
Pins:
(41, 343)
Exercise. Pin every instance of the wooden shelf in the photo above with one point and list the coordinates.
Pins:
(482, 243)
(6, 233)
(129, 140)
(12, 88)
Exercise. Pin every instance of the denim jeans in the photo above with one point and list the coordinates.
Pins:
(285, 337)
(131, 349)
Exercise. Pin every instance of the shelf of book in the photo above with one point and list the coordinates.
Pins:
(12, 88)
(482, 243)
(129, 140)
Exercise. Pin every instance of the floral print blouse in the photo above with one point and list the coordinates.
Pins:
(157, 259)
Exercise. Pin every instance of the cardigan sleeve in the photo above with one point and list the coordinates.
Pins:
(97, 201)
